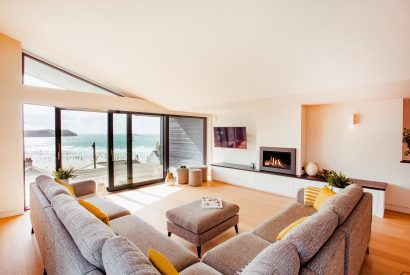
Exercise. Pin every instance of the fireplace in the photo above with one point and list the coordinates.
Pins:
(279, 160)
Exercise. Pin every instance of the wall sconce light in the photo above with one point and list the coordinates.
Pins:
(354, 119)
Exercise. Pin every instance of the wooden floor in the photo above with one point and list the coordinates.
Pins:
(389, 246)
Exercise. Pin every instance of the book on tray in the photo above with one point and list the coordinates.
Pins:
(211, 202)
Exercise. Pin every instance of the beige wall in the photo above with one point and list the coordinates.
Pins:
(240, 156)
(11, 143)
(324, 134)
(12, 97)
(274, 124)
(279, 124)
(368, 150)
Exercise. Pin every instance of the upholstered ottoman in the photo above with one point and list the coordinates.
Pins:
(199, 225)
(195, 177)
(204, 170)
(182, 175)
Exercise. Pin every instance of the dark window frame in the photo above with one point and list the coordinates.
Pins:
(65, 71)
(110, 143)
(131, 184)
(165, 142)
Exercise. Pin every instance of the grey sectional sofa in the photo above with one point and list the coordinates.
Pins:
(333, 240)
(72, 241)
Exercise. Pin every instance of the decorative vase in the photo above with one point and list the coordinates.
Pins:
(335, 189)
(311, 169)
(102, 190)
(170, 179)
(65, 180)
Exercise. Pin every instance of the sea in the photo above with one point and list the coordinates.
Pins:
(77, 151)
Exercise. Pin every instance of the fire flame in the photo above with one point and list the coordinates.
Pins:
(275, 162)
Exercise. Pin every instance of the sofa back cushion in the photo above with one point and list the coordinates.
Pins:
(310, 235)
(88, 232)
(62, 255)
(122, 257)
(49, 188)
(344, 202)
(280, 258)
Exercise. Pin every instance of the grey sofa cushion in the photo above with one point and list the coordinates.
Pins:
(330, 258)
(344, 202)
(49, 188)
(122, 257)
(309, 236)
(88, 232)
(280, 258)
(270, 229)
(62, 255)
(199, 269)
(357, 231)
(233, 255)
(196, 219)
(146, 236)
(111, 209)
(84, 188)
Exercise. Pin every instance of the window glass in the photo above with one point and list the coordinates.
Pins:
(147, 148)
(84, 144)
(40, 74)
(39, 144)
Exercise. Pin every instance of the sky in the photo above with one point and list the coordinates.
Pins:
(82, 122)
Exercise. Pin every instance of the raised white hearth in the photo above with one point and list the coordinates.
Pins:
(286, 185)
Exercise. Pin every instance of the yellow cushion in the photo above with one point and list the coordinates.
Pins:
(288, 228)
(161, 263)
(311, 194)
(324, 194)
(96, 211)
(68, 186)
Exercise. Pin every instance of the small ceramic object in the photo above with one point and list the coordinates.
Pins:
(311, 169)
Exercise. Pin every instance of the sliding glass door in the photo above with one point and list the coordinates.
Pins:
(84, 144)
(121, 149)
(147, 148)
(136, 148)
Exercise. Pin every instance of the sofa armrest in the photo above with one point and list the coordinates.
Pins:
(301, 195)
(83, 188)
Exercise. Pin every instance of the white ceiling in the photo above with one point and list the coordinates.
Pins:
(188, 54)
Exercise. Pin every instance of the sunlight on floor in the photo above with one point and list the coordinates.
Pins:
(137, 199)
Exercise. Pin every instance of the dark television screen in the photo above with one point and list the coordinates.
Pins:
(230, 137)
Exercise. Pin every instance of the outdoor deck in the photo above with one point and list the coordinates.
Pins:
(141, 172)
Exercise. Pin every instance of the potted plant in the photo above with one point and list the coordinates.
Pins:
(337, 181)
(406, 140)
(64, 174)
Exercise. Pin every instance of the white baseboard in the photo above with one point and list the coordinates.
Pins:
(11, 213)
(397, 208)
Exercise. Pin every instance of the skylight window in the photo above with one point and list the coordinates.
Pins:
(40, 74)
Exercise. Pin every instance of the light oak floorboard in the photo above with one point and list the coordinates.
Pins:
(389, 246)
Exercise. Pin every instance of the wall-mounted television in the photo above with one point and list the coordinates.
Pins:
(230, 137)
